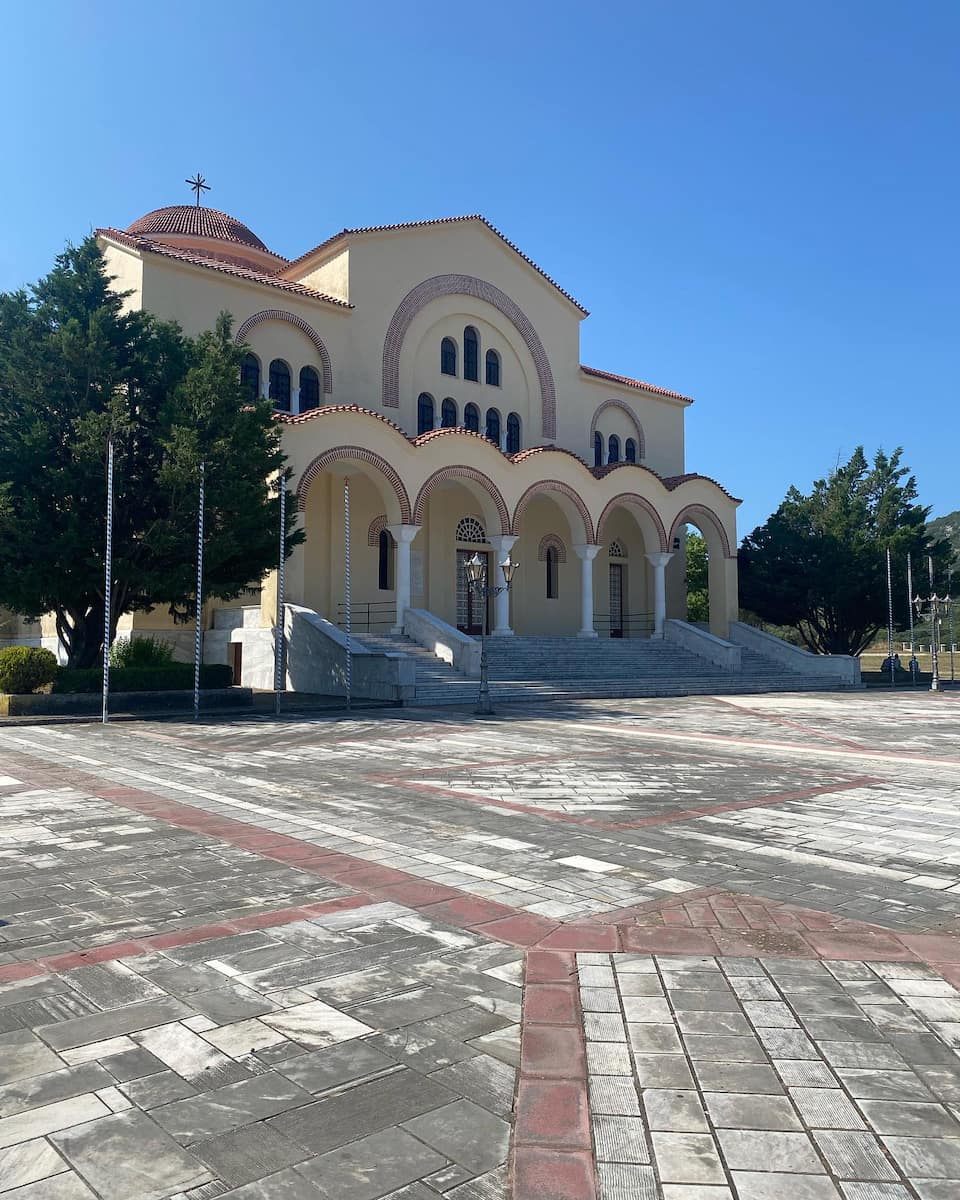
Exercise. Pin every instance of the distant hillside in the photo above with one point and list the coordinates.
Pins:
(947, 527)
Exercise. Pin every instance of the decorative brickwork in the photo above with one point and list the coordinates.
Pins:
(697, 514)
(466, 285)
(631, 416)
(462, 472)
(377, 526)
(625, 500)
(554, 485)
(278, 314)
(354, 454)
(552, 541)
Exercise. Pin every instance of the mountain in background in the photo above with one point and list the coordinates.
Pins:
(948, 527)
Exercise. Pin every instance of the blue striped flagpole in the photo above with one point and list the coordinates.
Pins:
(198, 640)
(278, 641)
(108, 587)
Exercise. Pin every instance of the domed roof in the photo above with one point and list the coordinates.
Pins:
(189, 220)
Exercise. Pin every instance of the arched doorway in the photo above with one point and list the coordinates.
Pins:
(702, 580)
(629, 530)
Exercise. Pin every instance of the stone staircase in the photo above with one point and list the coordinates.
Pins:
(545, 668)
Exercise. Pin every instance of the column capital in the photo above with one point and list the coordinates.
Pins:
(403, 533)
(660, 558)
(586, 551)
(503, 542)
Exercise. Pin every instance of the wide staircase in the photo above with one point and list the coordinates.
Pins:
(544, 668)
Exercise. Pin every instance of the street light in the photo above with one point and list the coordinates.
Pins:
(936, 606)
(476, 569)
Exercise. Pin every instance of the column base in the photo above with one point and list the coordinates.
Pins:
(502, 633)
(396, 630)
(587, 633)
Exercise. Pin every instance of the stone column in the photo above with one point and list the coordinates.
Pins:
(586, 554)
(502, 545)
(402, 535)
(659, 563)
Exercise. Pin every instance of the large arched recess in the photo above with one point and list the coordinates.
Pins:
(654, 534)
(279, 314)
(466, 285)
(570, 502)
(369, 463)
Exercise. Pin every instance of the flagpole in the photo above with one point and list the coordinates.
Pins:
(913, 651)
(346, 582)
(278, 641)
(893, 677)
(198, 639)
(108, 587)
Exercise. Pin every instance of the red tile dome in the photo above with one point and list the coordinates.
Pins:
(187, 220)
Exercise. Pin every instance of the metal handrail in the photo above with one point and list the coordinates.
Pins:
(631, 624)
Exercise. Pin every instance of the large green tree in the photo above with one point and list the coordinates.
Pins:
(698, 578)
(818, 564)
(78, 369)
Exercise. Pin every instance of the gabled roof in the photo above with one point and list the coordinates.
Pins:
(223, 265)
(635, 383)
(294, 264)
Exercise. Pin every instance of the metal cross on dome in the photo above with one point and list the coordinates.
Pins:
(198, 185)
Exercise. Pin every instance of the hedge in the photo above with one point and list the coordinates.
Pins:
(177, 677)
(23, 669)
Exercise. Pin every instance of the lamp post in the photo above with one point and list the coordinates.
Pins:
(936, 607)
(476, 572)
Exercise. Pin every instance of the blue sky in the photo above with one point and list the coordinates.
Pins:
(757, 201)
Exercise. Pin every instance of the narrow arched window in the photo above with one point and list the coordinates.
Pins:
(513, 434)
(471, 418)
(471, 354)
(280, 385)
(550, 558)
(613, 449)
(385, 572)
(424, 412)
(309, 389)
(493, 426)
(448, 414)
(598, 449)
(250, 376)
(630, 451)
(448, 357)
(493, 368)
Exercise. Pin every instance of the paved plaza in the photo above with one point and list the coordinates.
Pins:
(685, 949)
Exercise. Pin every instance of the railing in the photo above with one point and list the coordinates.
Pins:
(365, 618)
(631, 625)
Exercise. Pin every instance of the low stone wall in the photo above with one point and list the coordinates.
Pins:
(89, 703)
(443, 640)
(703, 644)
(317, 662)
(842, 667)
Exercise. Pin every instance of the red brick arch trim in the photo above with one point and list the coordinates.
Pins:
(625, 500)
(551, 541)
(278, 314)
(554, 485)
(377, 526)
(697, 514)
(354, 454)
(462, 472)
(631, 416)
(466, 285)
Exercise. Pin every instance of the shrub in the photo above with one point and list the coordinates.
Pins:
(26, 668)
(177, 677)
(141, 652)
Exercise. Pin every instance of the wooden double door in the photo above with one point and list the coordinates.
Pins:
(471, 607)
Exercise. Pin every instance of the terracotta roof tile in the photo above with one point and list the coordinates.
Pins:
(435, 221)
(195, 221)
(635, 383)
(224, 265)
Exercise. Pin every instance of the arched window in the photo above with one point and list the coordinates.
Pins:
(250, 376)
(493, 426)
(493, 368)
(513, 434)
(469, 529)
(424, 412)
(309, 389)
(630, 451)
(471, 418)
(385, 572)
(616, 549)
(448, 414)
(550, 558)
(471, 354)
(613, 449)
(448, 357)
(280, 385)
(598, 449)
